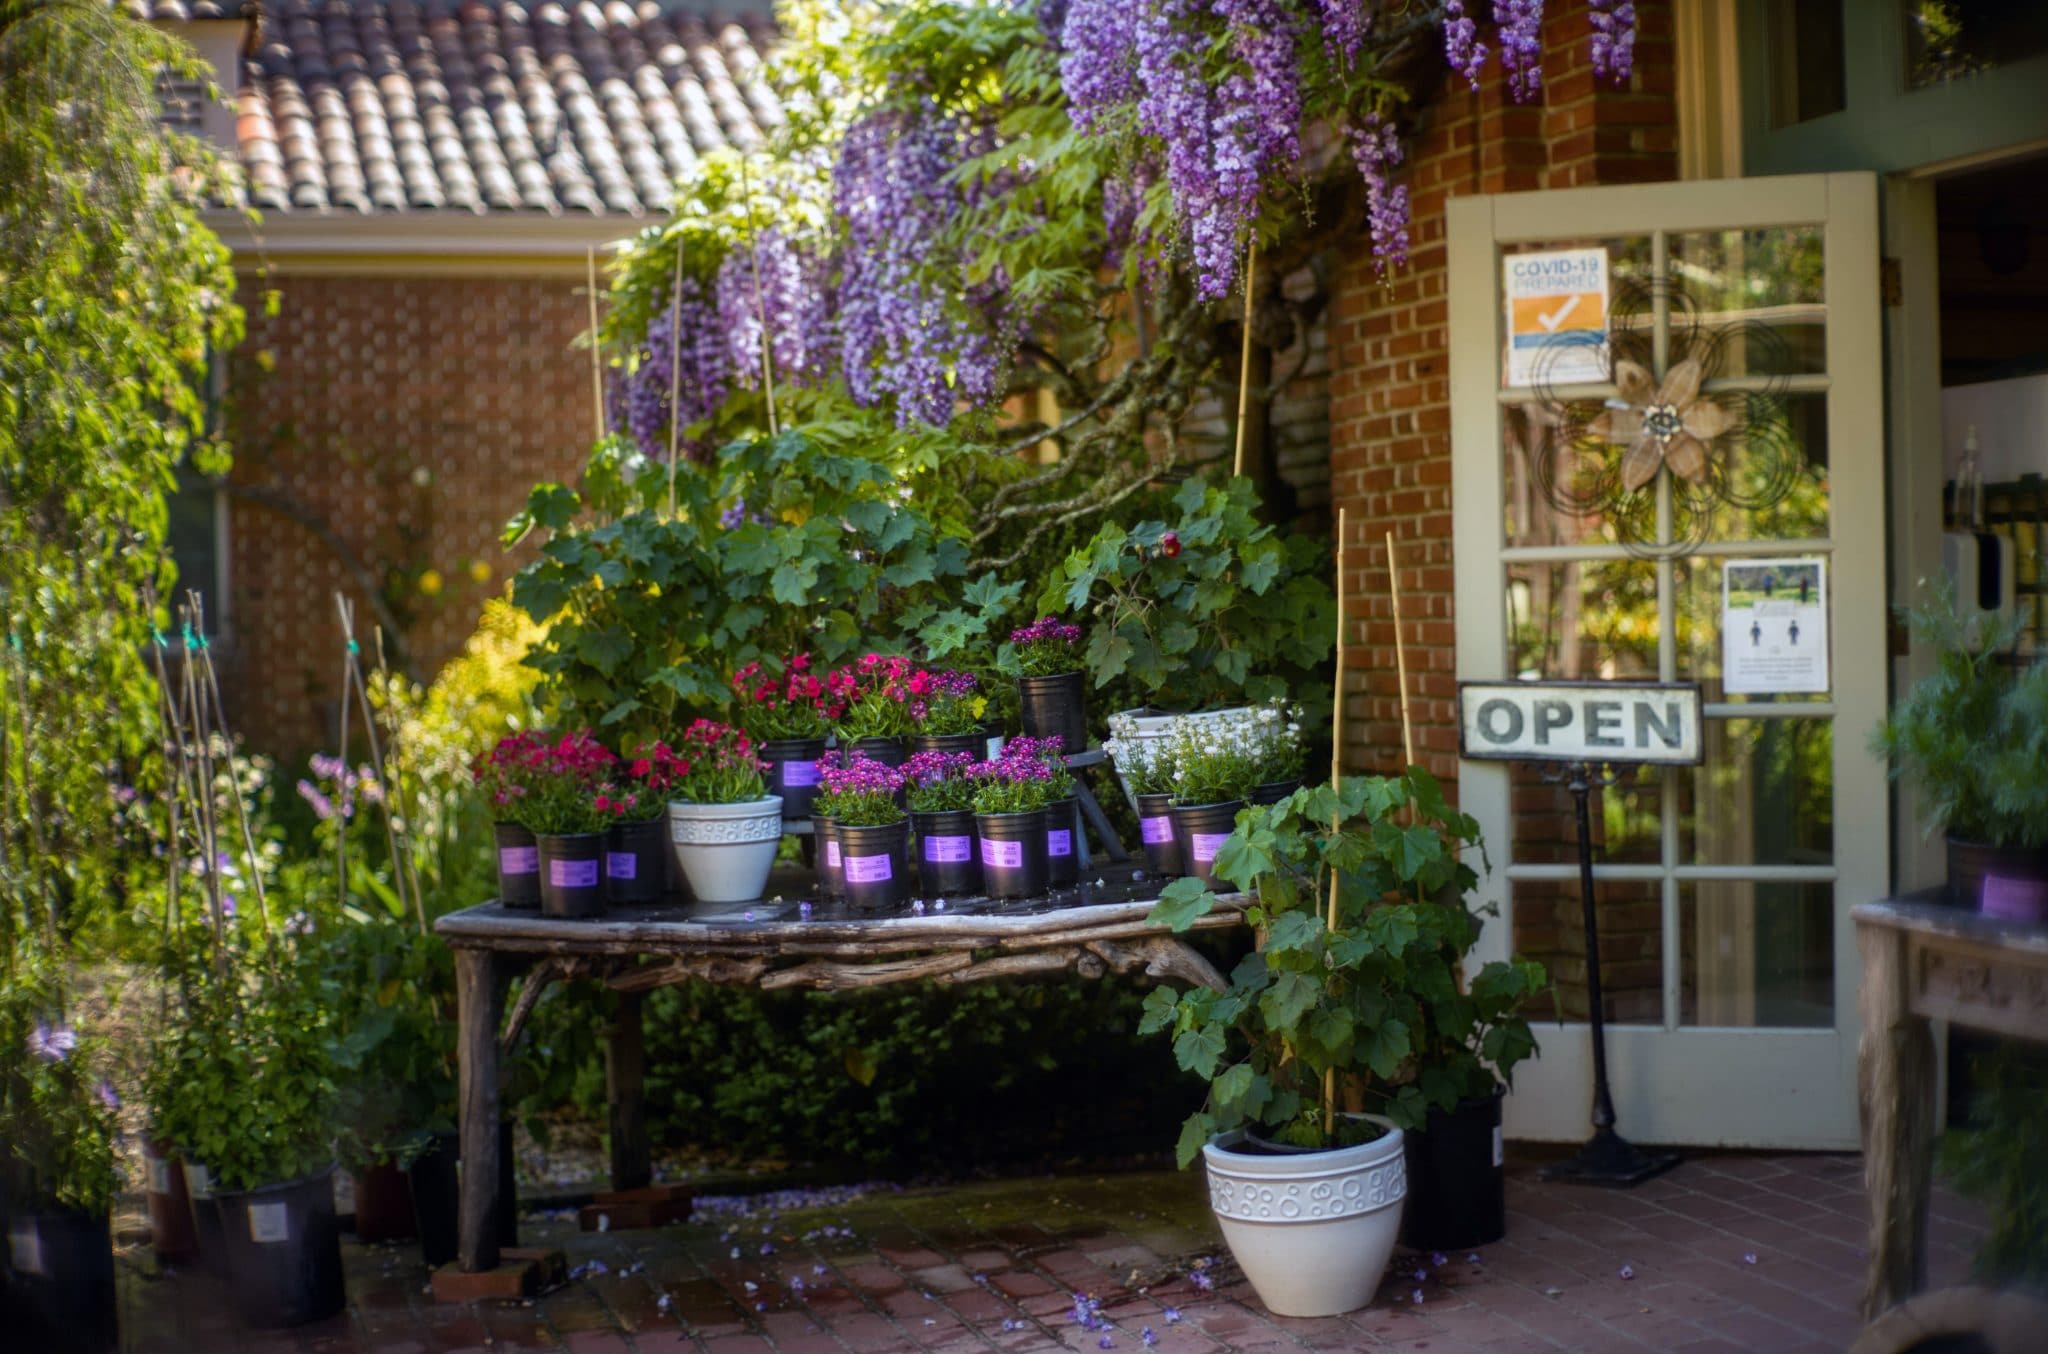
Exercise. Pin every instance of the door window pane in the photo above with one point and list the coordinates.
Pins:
(1596, 619)
(1803, 39)
(1756, 954)
(1764, 795)
(1625, 819)
(1750, 302)
(1550, 927)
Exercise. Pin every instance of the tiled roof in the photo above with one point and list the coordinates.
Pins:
(184, 11)
(493, 105)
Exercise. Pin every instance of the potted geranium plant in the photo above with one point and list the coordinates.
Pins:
(788, 717)
(875, 707)
(502, 775)
(1010, 795)
(941, 801)
(723, 825)
(634, 801)
(1341, 1033)
(1972, 738)
(947, 711)
(1051, 693)
(871, 831)
(559, 807)
(1143, 761)
(1214, 770)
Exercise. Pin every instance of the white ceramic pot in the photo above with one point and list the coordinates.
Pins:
(725, 851)
(1311, 1230)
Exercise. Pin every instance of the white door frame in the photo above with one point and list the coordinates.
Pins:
(1697, 1085)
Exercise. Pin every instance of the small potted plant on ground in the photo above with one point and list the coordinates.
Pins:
(1329, 1041)
(559, 807)
(875, 699)
(634, 802)
(1144, 763)
(501, 777)
(1214, 769)
(947, 710)
(1051, 692)
(870, 828)
(723, 826)
(1972, 738)
(941, 801)
(788, 718)
(1010, 795)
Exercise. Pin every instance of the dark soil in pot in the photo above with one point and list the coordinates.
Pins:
(518, 866)
(1062, 826)
(57, 1293)
(1012, 853)
(1457, 1185)
(876, 865)
(1201, 830)
(793, 773)
(1155, 829)
(948, 853)
(634, 861)
(284, 1251)
(572, 875)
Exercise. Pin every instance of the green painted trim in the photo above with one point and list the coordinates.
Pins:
(1886, 127)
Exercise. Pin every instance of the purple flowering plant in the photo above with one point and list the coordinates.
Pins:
(57, 1108)
(938, 782)
(1045, 648)
(1012, 784)
(861, 793)
(950, 701)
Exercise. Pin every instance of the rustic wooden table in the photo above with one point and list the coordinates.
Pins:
(1097, 928)
(1922, 961)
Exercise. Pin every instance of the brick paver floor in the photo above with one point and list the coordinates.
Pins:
(1730, 1252)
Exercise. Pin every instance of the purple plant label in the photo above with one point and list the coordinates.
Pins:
(573, 874)
(519, 860)
(796, 775)
(831, 855)
(868, 869)
(621, 865)
(2014, 899)
(25, 1246)
(1059, 841)
(1208, 843)
(1157, 830)
(1002, 855)
(948, 850)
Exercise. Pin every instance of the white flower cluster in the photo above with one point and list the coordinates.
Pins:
(1220, 754)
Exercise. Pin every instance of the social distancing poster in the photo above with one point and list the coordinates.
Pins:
(1774, 626)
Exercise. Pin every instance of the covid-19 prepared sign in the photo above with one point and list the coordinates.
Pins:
(1556, 316)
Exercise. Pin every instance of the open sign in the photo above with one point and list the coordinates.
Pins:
(1580, 722)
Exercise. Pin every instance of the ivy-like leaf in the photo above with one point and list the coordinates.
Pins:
(1160, 1005)
(1288, 998)
(1181, 902)
(1198, 1051)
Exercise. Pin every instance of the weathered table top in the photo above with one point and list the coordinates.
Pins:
(1925, 914)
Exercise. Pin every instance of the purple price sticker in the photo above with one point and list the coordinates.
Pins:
(1059, 841)
(519, 860)
(1002, 855)
(1157, 830)
(796, 775)
(868, 869)
(831, 855)
(573, 874)
(948, 850)
(2014, 899)
(1208, 843)
(621, 865)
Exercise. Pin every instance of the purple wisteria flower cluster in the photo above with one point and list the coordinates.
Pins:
(1521, 45)
(51, 1043)
(772, 278)
(1376, 149)
(1463, 50)
(640, 402)
(1614, 38)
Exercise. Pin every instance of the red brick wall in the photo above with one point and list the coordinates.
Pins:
(1390, 414)
(407, 417)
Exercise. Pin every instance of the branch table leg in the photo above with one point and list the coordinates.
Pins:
(1895, 1069)
(625, 1075)
(480, 985)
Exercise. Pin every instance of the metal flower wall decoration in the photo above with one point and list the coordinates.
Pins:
(1726, 445)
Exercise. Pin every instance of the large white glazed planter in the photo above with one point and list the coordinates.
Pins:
(1311, 1230)
(726, 850)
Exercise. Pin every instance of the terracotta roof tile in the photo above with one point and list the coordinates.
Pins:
(491, 105)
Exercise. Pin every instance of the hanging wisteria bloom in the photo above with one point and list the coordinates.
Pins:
(705, 377)
(1614, 37)
(1344, 26)
(1376, 149)
(1462, 47)
(1521, 45)
(1098, 61)
(51, 1043)
(771, 278)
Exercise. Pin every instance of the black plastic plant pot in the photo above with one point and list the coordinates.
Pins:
(876, 864)
(1056, 707)
(948, 854)
(205, 1217)
(1155, 828)
(1062, 826)
(831, 864)
(1012, 853)
(57, 1292)
(1272, 792)
(1201, 830)
(887, 751)
(437, 1195)
(1457, 1184)
(572, 875)
(284, 1251)
(974, 744)
(793, 773)
(518, 866)
(634, 861)
(171, 1234)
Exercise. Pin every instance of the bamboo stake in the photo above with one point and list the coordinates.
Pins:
(389, 780)
(596, 352)
(1336, 785)
(212, 691)
(760, 304)
(1244, 363)
(341, 835)
(675, 377)
(1400, 652)
(203, 790)
(362, 693)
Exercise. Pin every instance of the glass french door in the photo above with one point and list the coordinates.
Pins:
(1747, 312)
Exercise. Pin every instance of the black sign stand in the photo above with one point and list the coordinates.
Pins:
(1608, 1158)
